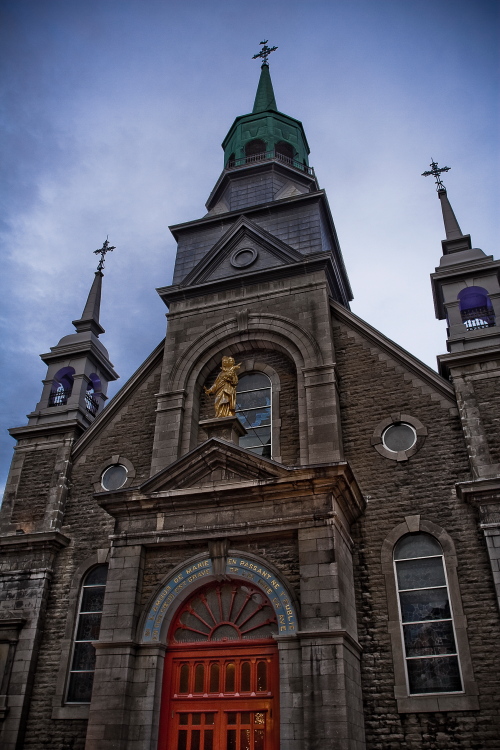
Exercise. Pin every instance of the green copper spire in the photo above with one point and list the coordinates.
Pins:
(265, 132)
(264, 98)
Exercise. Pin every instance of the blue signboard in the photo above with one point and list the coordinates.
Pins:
(236, 567)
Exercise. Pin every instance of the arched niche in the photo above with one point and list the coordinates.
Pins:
(476, 308)
(62, 386)
(285, 149)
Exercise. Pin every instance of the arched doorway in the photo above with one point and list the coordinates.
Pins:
(220, 685)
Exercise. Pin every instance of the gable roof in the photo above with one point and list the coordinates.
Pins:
(396, 352)
(120, 399)
(242, 229)
(213, 460)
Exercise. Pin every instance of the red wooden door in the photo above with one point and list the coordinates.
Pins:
(221, 694)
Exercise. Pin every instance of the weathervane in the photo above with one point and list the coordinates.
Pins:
(265, 52)
(436, 171)
(106, 248)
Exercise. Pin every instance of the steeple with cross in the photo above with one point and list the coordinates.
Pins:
(106, 248)
(436, 172)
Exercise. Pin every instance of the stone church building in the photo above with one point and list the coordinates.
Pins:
(317, 568)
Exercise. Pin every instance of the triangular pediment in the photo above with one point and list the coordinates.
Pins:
(213, 462)
(245, 248)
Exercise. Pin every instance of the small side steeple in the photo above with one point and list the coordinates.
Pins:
(79, 368)
(466, 290)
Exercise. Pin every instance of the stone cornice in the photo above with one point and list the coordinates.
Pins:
(44, 540)
(336, 480)
(308, 265)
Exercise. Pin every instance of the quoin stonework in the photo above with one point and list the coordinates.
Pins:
(317, 569)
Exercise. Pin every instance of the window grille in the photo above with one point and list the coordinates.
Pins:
(253, 408)
(432, 663)
(87, 629)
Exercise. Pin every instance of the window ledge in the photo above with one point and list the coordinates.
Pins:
(71, 711)
(442, 702)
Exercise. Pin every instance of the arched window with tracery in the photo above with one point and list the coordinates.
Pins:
(88, 625)
(253, 408)
(428, 634)
(220, 685)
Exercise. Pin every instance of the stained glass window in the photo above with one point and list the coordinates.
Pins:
(87, 629)
(253, 408)
(426, 616)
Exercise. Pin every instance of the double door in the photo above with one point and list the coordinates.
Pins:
(222, 730)
(220, 699)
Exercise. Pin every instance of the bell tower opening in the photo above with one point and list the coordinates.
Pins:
(220, 685)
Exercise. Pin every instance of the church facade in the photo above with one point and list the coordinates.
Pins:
(284, 530)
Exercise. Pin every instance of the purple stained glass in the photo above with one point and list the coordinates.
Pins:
(429, 639)
(439, 675)
(419, 574)
(426, 604)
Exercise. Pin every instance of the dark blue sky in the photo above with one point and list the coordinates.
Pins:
(113, 112)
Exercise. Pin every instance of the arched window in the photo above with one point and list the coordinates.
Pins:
(255, 150)
(476, 308)
(88, 625)
(431, 657)
(285, 150)
(62, 385)
(253, 408)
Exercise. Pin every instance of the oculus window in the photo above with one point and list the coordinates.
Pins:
(253, 409)
(88, 625)
(114, 477)
(399, 437)
(432, 664)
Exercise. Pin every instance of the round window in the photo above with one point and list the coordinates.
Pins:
(114, 477)
(399, 437)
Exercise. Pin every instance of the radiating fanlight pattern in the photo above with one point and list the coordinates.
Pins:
(225, 612)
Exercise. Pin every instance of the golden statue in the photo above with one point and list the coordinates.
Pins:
(225, 388)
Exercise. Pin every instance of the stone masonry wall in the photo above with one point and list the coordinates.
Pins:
(288, 406)
(130, 434)
(34, 484)
(488, 397)
(371, 388)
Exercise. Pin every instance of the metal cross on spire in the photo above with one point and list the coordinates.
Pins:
(265, 52)
(436, 171)
(106, 248)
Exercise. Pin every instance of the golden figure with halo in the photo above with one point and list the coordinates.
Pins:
(224, 388)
